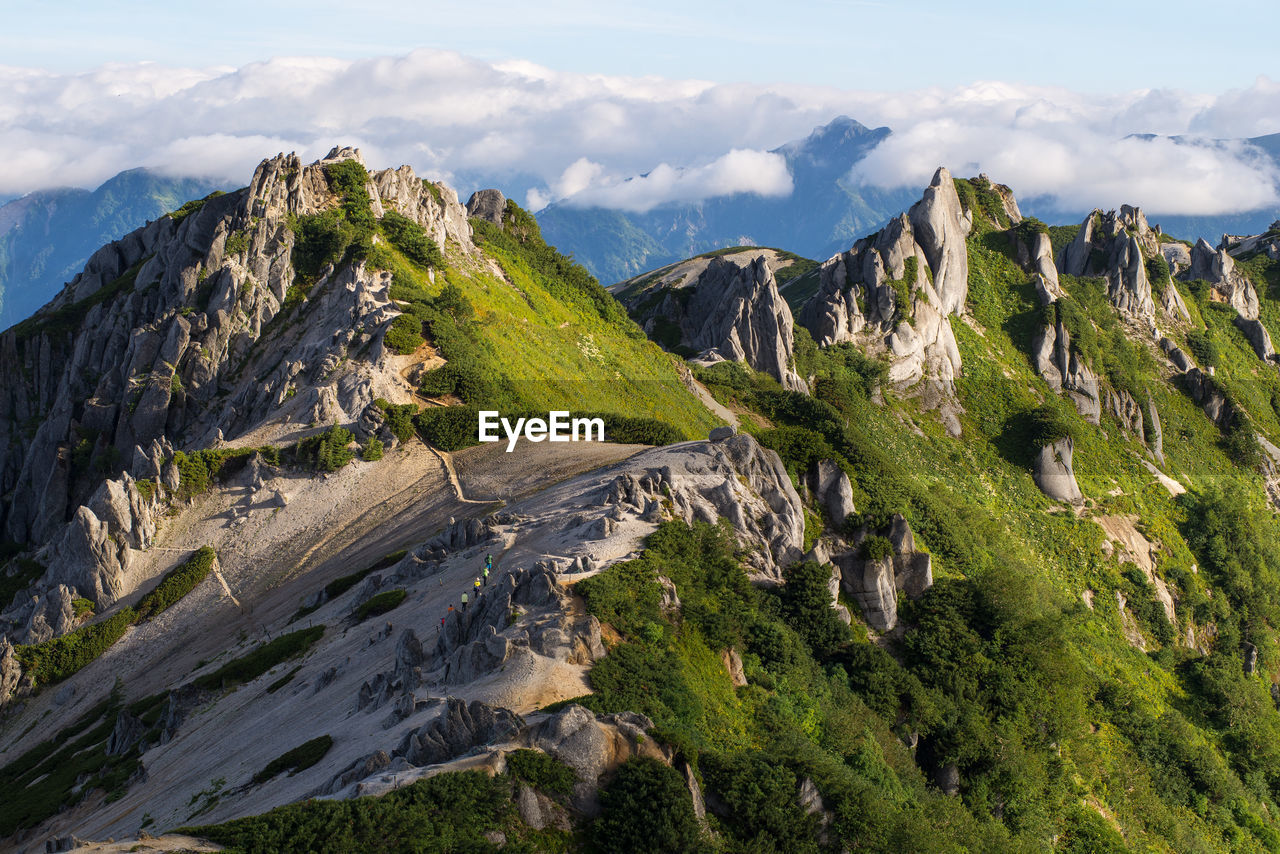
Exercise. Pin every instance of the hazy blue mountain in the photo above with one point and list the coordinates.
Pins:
(46, 236)
(824, 213)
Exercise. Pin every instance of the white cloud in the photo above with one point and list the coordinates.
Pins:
(585, 184)
(623, 141)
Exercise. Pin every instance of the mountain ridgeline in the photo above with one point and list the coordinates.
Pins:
(978, 551)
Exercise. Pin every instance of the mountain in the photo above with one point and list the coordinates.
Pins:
(963, 539)
(46, 237)
(823, 212)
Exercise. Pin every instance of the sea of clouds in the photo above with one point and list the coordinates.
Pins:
(629, 142)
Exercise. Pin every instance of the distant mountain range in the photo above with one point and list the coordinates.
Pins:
(46, 236)
(823, 214)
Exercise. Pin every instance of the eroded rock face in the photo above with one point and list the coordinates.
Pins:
(1217, 268)
(941, 226)
(459, 727)
(1065, 371)
(731, 311)
(894, 291)
(488, 205)
(1054, 474)
(1112, 245)
(164, 358)
(875, 581)
(834, 493)
(10, 671)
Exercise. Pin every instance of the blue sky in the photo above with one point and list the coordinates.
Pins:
(1085, 45)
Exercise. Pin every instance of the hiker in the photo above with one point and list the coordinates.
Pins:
(464, 602)
(488, 563)
(442, 622)
(486, 576)
(450, 607)
(477, 584)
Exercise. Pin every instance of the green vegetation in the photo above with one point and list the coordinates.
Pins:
(57, 658)
(448, 812)
(380, 603)
(541, 771)
(192, 206)
(342, 584)
(300, 758)
(73, 765)
(176, 583)
(646, 808)
(399, 418)
(199, 469)
(405, 334)
(409, 237)
(253, 664)
(327, 451)
(372, 450)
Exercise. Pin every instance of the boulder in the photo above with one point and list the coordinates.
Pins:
(488, 205)
(1258, 337)
(1054, 474)
(833, 491)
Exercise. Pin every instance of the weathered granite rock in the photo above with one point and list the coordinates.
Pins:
(1114, 245)
(488, 205)
(874, 582)
(10, 671)
(941, 225)
(1065, 371)
(1217, 268)
(166, 359)
(731, 311)
(1054, 474)
(460, 727)
(1258, 337)
(883, 294)
(593, 746)
(833, 491)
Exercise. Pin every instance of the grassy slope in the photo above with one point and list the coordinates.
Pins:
(563, 355)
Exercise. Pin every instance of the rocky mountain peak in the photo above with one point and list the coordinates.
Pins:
(192, 330)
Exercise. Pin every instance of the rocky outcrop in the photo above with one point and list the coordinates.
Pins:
(10, 671)
(1229, 285)
(1259, 337)
(1065, 371)
(1127, 411)
(1054, 474)
(941, 225)
(480, 640)
(831, 488)
(873, 578)
(488, 205)
(593, 746)
(459, 728)
(887, 295)
(1155, 436)
(1114, 245)
(152, 347)
(730, 311)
